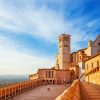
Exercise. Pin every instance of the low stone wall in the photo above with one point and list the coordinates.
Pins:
(84, 94)
(18, 88)
(72, 93)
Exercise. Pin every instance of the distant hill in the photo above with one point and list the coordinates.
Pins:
(10, 79)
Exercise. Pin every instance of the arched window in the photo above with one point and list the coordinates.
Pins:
(65, 45)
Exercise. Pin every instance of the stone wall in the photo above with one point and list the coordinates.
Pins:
(72, 93)
(18, 88)
(92, 70)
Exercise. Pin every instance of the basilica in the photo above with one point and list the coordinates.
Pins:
(81, 68)
(83, 64)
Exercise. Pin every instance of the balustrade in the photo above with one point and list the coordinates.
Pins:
(15, 89)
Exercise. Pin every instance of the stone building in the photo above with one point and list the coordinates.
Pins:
(60, 73)
(92, 69)
(63, 56)
(93, 47)
(68, 66)
(82, 55)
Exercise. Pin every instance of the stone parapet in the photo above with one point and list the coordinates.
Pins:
(72, 93)
(81, 91)
(15, 89)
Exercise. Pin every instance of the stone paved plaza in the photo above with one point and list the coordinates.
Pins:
(42, 93)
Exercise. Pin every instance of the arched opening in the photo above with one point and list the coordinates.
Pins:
(7, 93)
(16, 89)
(46, 81)
(30, 85)
(13, 90)
(0, 95)
(43, 81)
(72, 74)
(3, 94)
(53, 81)
(10, 91)
(50, 82)
(19, 88)
(24, 87)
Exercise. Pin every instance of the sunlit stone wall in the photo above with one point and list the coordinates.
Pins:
(92, 69)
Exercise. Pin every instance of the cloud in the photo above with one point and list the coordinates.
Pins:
(43, 20)
(36, 22)
(40, 22)
(14, 61)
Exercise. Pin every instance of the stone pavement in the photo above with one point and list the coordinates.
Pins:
(42, 93)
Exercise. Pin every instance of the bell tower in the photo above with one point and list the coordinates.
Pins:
(64, 51)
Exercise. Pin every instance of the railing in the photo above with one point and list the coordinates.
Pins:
(72, 93)
(18, 88)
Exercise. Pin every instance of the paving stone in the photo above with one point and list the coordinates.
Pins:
(42, 93)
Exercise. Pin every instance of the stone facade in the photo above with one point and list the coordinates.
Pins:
(60, 73)
(68, 67)
(74, 63)
(93, 47)
(52, 76)
(92, 69)
(82, 55)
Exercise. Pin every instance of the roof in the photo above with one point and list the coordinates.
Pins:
(63, 35)
(96, 38)
(93, 56)
(81, 49)
(73, 52)
(54, 69)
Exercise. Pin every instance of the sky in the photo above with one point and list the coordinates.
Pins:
(29, 31)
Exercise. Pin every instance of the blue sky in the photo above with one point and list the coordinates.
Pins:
(29, 30)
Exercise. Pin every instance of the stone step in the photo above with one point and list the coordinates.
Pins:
(93, 93)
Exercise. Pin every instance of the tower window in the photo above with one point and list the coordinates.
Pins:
(65, 45)
(66, 39)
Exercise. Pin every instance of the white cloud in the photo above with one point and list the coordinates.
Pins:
(13, 61)
(93, 23)
(24, 17)
(43, 22)
(37, 22)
